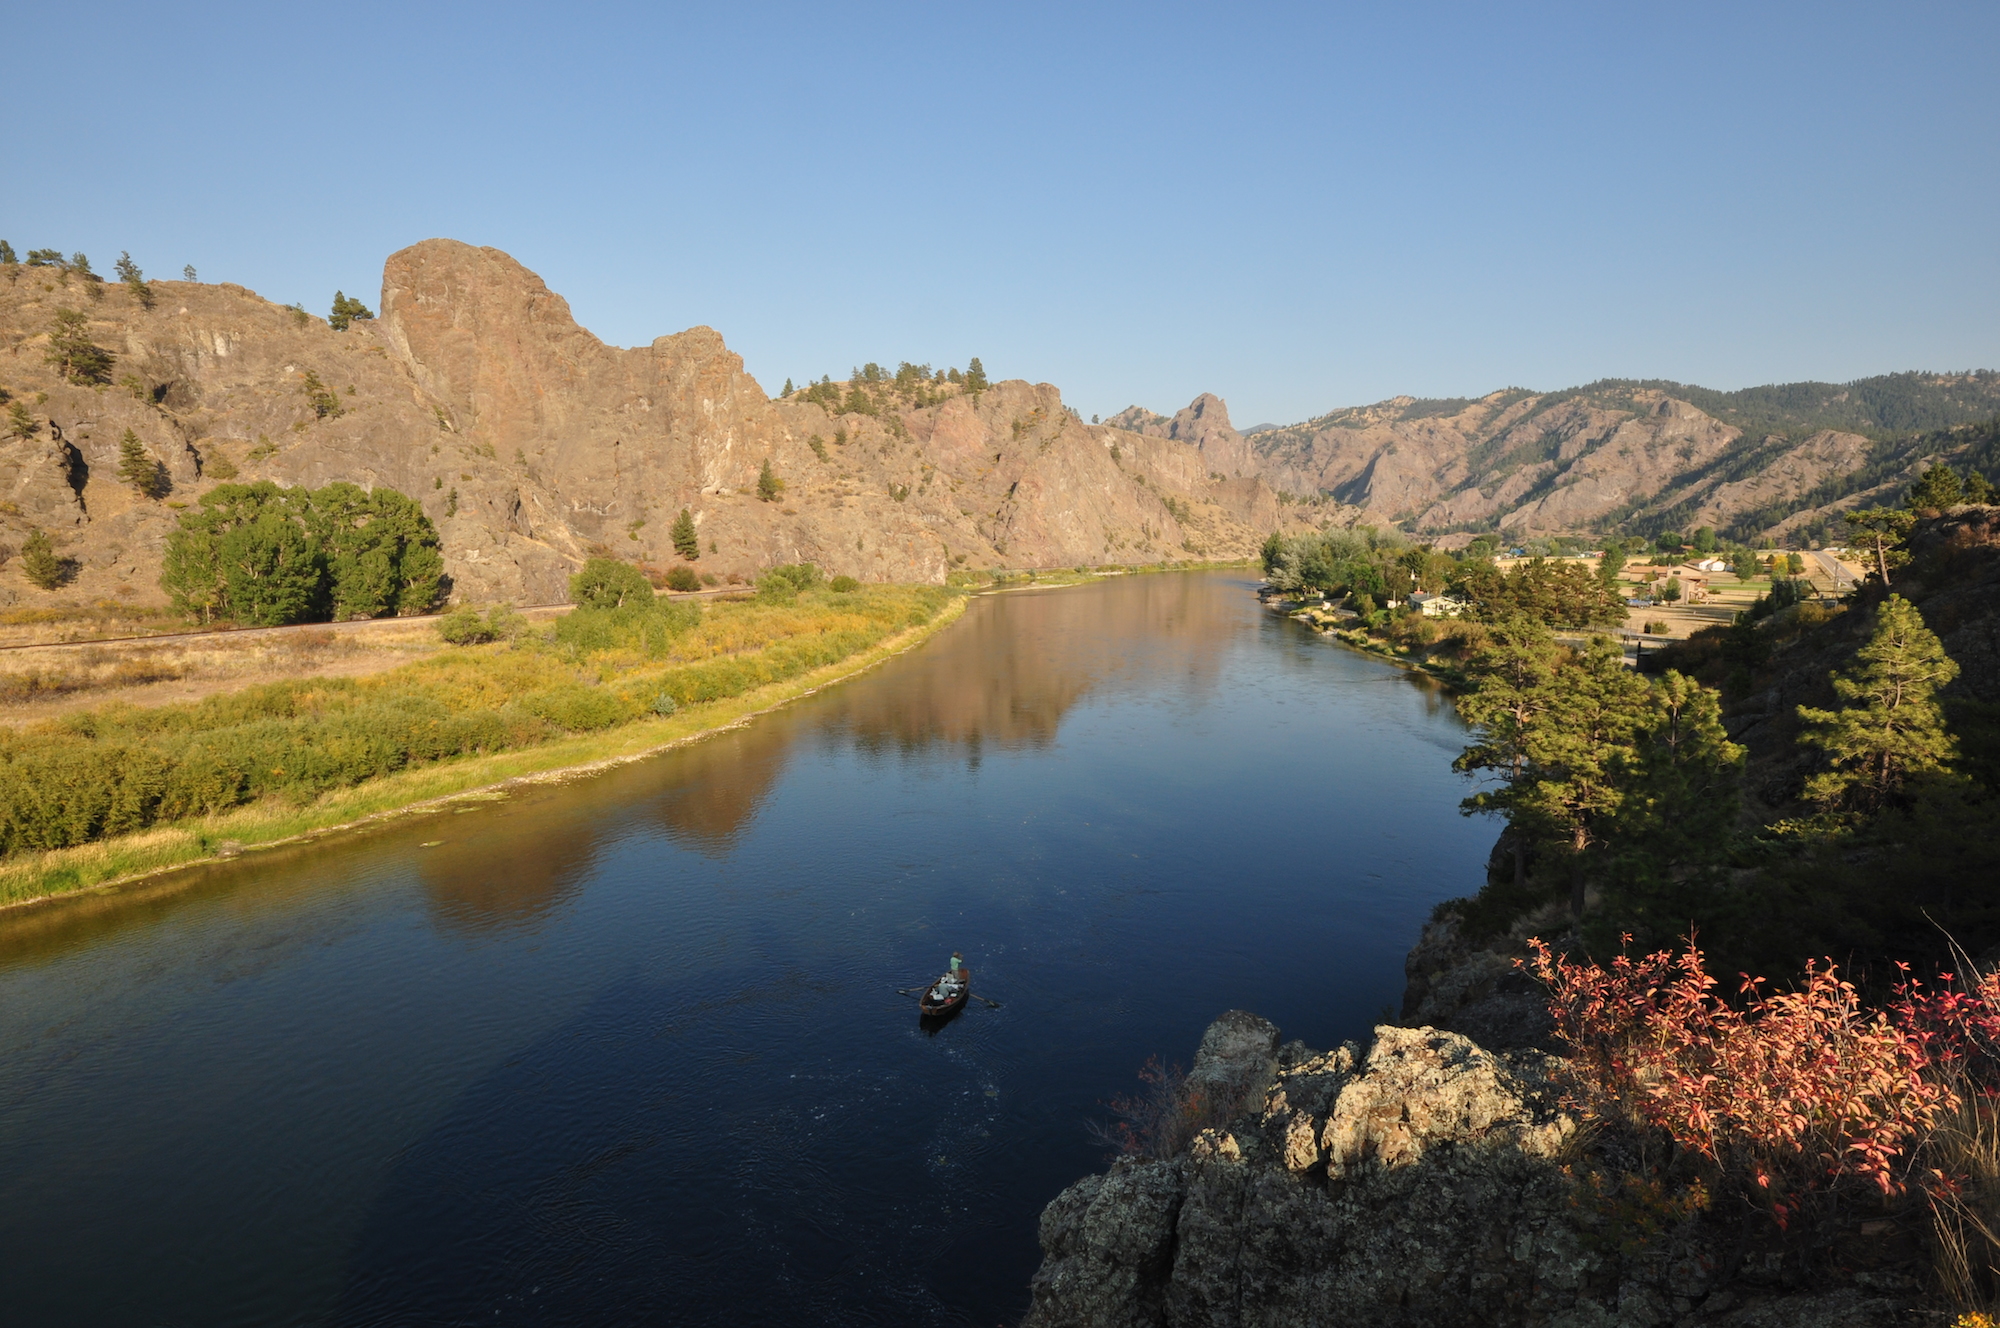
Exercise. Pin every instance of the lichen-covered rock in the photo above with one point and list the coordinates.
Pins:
(1421, 1184)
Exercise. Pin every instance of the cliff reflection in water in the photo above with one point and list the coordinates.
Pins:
(1000, 679)
(1009, 679)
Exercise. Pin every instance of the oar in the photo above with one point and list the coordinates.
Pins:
(904, 991)
(991, 1005)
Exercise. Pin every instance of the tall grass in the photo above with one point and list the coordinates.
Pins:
(118, 769)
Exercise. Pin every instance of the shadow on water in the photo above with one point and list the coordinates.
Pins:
(629, 1049)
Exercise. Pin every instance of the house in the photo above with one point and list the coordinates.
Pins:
(1438, 606)
(1711, 565)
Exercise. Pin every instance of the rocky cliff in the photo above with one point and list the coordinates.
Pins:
(533, 445)
(1597, 458)
(1422, 1181)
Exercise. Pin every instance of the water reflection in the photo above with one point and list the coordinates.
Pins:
(505, 872)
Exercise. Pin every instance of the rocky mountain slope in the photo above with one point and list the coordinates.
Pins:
(532, 444)
(1614, 456)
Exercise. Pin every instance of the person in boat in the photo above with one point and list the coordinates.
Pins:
(953, 980)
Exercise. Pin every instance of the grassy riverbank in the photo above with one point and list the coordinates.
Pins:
(91, 800)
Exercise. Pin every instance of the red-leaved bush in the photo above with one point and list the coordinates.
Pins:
(1789, 1092)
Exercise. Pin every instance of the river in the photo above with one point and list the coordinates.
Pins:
(628, 1050)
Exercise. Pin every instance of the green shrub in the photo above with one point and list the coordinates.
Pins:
(577, 708)
(682, 579)
(464, 627)
(605, 583)
(843, 585)
(781, 584)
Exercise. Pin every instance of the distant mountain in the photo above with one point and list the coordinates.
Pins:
(1615, 456)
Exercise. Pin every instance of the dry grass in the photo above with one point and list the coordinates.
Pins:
(110, 864)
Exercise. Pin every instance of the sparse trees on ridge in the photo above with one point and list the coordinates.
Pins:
(346, 311)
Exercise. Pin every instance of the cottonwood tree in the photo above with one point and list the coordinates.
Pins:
(605, 583)
(140, 468)
(687, 541)
(1889, 728)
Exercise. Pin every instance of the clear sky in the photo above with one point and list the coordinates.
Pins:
(1294, 206)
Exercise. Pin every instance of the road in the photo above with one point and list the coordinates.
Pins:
(1839, 573)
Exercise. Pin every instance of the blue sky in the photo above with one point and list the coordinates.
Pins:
(1295, 206)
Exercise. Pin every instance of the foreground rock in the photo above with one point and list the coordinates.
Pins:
(1425, 1181)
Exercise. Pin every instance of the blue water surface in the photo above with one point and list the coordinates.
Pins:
(628, 1050)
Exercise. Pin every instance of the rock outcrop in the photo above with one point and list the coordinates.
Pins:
(533, 445)
(1424, 1181)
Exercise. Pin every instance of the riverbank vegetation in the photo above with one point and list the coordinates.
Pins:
(1809, 790)
(623, 658)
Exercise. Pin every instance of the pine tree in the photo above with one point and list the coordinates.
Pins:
(687, 543)
(20, 424)
(135, 280)
(1978, 489)
(1890, 726)
(187, 272)
(1937, 488)
(39, 562)
(139, 468)
(1883, 529)
(769, 486)
(71, 352)
(346, 311)
(975, 377)
(788, 388)
(7, 255)
(1504, 712)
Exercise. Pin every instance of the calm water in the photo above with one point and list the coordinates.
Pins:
(629, 1051)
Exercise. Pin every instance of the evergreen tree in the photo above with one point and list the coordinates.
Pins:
(1505, 712)
(140, 469)
(39, 562)
(135, 280)
(1978, 489)
(1577, 752)
(187, 272)
(1938, 487)
(1883, 530)
(1611, 564)
(769, 486)
(20, 424)
(1704, 540)
(975, 377)
(72, 354)
(1671, 591)
(7, 256)
(687, 542)
(788, 388)
(1890, 726)
(345, 311)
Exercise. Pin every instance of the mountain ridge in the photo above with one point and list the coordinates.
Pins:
(1618, 456)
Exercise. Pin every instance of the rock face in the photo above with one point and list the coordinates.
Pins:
(1420, 1183)
(1529, 463)
(533, 445)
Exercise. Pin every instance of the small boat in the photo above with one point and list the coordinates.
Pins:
(947, 996)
